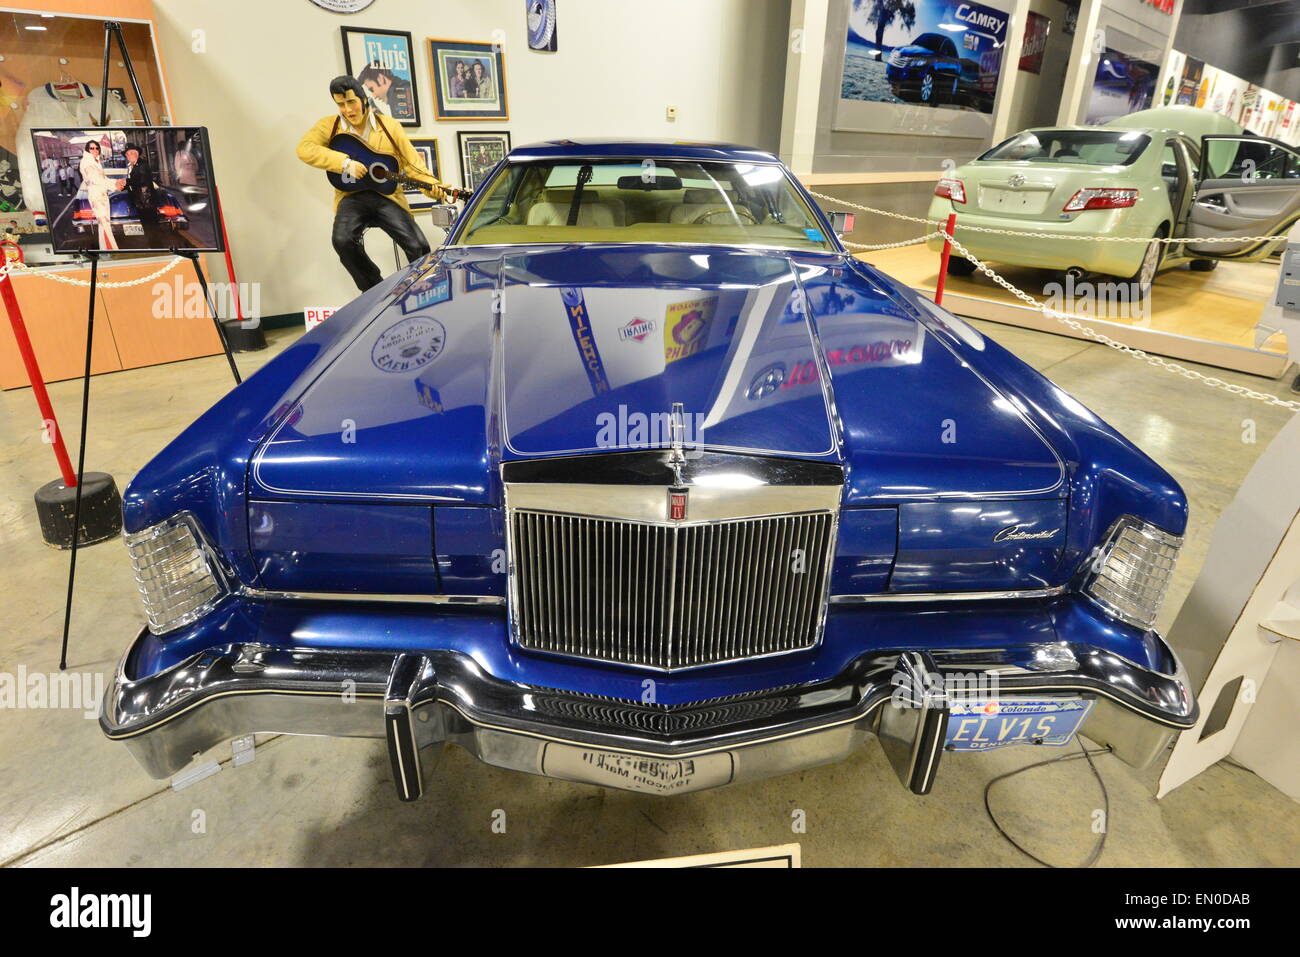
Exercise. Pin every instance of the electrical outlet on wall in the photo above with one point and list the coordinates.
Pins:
(671, 112)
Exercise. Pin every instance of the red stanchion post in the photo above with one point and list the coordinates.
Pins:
(230, 263)
(943, 258)
(34, 376)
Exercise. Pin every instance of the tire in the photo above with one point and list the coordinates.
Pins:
(927, 89)
(960, 266)
(1139, 284)
(1203, 265)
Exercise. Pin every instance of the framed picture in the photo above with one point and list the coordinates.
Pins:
(428, 150)
(479, 152)
(469, 80)
(382, 61)
(541, 25)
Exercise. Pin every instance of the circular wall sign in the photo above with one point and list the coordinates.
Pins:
(343, 6)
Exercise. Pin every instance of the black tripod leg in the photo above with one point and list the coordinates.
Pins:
(81, 460)
(221, 332)
(130, 72)
(103, 89)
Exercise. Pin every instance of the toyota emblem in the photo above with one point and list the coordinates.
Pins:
(1015, 180)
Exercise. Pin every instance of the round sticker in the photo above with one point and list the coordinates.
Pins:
(409, 345)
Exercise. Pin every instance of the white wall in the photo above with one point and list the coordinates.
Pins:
(262, 81)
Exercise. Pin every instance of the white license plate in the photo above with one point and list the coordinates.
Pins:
(634, 773)
(132, 229)
(1028, 201)
(985, 725)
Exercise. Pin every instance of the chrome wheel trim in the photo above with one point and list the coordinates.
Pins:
(1150, 264)
(927, 87)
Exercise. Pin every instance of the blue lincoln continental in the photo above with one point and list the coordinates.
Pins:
(642, 480)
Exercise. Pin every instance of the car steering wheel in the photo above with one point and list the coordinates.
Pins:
(713, 210)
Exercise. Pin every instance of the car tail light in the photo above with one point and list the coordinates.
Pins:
(952, 189)
(179, 574)
(84, 214)
(169, 210)
(1101, 199)
(1132, 569)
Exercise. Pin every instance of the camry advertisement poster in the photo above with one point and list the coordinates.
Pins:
(933, 53)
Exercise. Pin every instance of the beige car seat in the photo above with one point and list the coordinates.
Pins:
(593, 211)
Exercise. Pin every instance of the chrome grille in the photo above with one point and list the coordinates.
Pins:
(668, 596)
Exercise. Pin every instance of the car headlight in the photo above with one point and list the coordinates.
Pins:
(1130, 573)
(179, 574)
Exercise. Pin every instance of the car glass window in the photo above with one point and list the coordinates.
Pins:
(1247, 159)
(1077, 147)
(625, 200)
(931, 41)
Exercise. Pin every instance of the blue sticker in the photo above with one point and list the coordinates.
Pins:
(409, 345)
(815, 235)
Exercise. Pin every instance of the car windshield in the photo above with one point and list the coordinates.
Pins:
(628, 201)
(1074, 147)
(931, 41)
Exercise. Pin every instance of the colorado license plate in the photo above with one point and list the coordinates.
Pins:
(634, 773)
(984, 725)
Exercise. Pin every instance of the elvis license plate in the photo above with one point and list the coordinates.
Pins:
(635, 773)
(981, 725)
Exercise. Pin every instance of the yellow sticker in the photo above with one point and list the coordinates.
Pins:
(686, 327)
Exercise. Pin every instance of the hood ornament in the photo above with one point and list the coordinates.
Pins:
(677, 495)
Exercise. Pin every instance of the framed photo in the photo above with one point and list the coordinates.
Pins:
(428, 150)
(469, 80)
(383, 61)
(479, 153)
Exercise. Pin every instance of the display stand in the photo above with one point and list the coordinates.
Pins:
(103, 497)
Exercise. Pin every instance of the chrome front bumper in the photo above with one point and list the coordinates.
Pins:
(417, 700)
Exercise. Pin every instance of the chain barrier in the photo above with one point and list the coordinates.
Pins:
(17, 267)
(905, 242)
(1039, 235)
(1090, 333)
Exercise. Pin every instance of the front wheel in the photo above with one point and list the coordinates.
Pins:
(1203, 265)
(927, 89)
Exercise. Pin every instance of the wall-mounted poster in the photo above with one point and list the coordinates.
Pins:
(1122, 85)
(428, 150)
(1031, 50)
(541, 25)
(382, 61)
(1191, 81)
(479, 153)
(469, 80)
(929, 52)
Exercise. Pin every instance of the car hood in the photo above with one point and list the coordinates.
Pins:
(571, 351)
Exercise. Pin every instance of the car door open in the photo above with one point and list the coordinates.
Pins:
(1248, 186)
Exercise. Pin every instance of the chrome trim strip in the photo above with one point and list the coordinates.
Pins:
(261, 594)
(1009, 594)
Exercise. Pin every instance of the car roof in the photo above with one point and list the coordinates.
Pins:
(598, 148)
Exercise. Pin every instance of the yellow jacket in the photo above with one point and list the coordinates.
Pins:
(314, 150)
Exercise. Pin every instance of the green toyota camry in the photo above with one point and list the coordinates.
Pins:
(1173, 172)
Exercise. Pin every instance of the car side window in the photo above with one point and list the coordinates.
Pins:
(949, 48)
(1250, 160)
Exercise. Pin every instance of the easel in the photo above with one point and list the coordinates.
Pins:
(114, 29)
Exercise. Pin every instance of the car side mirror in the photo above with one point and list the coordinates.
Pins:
(443, 216)
(841, 223)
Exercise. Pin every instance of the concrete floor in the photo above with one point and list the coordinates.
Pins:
(68, 797)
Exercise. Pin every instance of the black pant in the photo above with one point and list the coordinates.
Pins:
(356, 213)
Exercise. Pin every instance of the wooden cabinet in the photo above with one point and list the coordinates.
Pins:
(134, 326)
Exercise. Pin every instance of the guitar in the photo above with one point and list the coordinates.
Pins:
(384, 172)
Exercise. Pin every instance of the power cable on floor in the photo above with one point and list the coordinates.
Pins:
(1105, 799)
